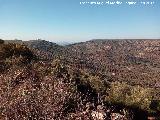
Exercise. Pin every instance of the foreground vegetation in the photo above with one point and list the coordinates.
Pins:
(33, 88)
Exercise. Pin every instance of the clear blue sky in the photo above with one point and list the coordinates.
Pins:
(67, 20)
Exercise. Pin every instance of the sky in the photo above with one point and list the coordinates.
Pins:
(70, 21)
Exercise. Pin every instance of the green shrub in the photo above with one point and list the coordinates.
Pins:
(14, 54)
(155, 105)
(1, 41)
(134, 96)
(59, 68)
(117, 92)
(17, 50)
(95, 82)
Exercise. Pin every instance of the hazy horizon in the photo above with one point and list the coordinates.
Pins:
(73, 42)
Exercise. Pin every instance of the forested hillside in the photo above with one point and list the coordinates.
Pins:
(93, 80)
